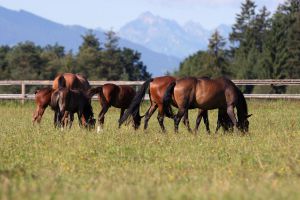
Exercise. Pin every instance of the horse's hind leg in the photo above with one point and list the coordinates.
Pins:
(101, 117)
(37, 116)
(177, 118)
(160, 118)
(121, 114)
(148, 115)
(186, 121)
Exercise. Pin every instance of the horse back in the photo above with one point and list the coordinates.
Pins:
(215, 93)
(72, 81)
(158, 88)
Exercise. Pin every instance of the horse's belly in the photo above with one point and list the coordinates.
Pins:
(211, 103)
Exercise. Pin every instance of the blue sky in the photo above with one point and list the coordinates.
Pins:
(115, 13)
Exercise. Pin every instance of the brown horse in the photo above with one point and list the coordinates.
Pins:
(207, 94)
(157, 88)
(116, 96)
(66, 102)
(43, 96)
(42, 100)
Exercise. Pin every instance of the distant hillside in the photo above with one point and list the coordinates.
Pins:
(19, 26)
(167, 36)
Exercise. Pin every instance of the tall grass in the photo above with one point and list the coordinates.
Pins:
(40, 162)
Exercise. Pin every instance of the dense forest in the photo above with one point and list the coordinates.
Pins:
(261, 46)
(95, 60)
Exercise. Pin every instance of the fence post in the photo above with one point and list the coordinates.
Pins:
(23, 92)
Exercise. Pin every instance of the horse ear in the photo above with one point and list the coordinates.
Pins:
(249, 116)
(36, 91)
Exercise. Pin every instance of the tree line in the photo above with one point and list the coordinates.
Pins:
(97, 61)
(261, 47)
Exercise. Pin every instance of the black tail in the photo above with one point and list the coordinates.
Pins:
(134, 107)
(61, 82)
(98, 90)
(168, 100)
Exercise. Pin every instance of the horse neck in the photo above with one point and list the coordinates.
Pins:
(88, 112)
(242, 108)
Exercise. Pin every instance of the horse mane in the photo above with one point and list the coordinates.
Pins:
(88, 111)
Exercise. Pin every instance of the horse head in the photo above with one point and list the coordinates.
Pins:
(243, 124)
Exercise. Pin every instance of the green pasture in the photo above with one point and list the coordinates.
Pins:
(40, 162)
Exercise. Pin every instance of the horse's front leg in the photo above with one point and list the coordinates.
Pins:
(71, 119)
(202, 114)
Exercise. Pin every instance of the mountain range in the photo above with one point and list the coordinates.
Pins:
(167, 36)
(163, 43)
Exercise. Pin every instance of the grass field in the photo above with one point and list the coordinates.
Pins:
(40, 162)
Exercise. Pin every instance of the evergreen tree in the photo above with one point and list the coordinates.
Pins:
(4, 73)
(52, 56)
(89, 56)
(25, 62)
(133, 68)
(111, 60)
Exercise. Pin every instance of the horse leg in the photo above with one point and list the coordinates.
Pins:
(230, 112)
(71, 117)
(148, 115)
(65, 119)
(101, 117)
(206, 121)
(160, 118)
(219, 121)
(186, 121)
(121, 114)
(204, 114)
(37, 116)
(178, 116)
(55, 119)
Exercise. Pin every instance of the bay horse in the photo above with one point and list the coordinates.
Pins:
(119, 96)
(43, 96)
(157, 88)
(66, 102)
(207, 94)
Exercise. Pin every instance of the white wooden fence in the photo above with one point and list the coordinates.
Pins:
(267, 82)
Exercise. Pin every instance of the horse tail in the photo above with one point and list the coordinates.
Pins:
(97, 90)
(134, 107)
(61, 82)
(168, 99)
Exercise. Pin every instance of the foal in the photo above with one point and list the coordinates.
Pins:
(66, 102)
(42, 99)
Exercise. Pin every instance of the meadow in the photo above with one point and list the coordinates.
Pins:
(40, 162)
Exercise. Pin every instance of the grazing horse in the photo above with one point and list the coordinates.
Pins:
(207, 94)
(157, 88)
(66, 102)
(43, 96)
(119, 96)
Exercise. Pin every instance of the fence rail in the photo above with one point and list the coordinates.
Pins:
(255, 82)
